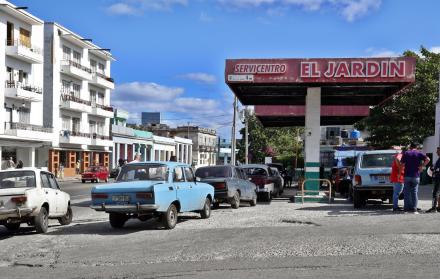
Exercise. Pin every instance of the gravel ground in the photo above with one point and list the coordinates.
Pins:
(277, 239)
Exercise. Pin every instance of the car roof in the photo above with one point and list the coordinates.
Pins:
(167, 163)
(388, 151)
(262, 166)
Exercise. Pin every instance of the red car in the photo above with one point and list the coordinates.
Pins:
(95, 174)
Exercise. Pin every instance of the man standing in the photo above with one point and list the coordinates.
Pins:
(412, 160)
(397, 178)
(436, 177)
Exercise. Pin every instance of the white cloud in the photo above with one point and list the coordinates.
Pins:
(349, 9)
(205, 17)
(136, 97)
(199, 77)
(372, 52)
(435, 49)
(135, 7)
(121, 9)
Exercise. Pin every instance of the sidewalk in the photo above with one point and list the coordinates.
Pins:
(69, 178)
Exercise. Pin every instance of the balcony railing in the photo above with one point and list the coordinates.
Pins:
(26, 126)
(76, 65)
(101, 75)
(20, 85)
(68, 133)
(96, 136)
(67, 97)
(107, 108)
(25, 44)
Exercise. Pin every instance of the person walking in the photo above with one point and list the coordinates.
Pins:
(77, 167)
(436, 177)
(397, 178)
(412, 160)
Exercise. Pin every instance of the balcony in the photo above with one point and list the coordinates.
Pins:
(24, 51)
(121, 130)
(76, 70)
(102, 80)
(74, 137)
(101, 110)
(101, 140)
(28, 131)
(21, 91)
(74, 103)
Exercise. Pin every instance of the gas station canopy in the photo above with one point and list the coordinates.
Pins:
(343, 81)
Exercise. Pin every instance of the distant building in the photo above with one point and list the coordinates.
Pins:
(225, 152)
(151, 118)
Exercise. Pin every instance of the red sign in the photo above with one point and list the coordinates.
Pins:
(337, 70)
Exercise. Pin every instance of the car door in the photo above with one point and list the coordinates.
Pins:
(49, 192)
(197, 197)
(247, 184)
(240, 183)
(183, 189)
(61, 197)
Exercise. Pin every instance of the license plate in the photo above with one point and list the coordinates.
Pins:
(121, 198)
(381, 178)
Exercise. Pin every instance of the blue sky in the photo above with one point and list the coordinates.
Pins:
(171, 53)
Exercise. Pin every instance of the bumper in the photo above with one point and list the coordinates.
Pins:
(16, 212)
(262, 190)
(128, 208)
(221, 196)
(370, 188)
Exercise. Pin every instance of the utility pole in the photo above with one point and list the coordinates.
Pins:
(246, 131)
(233, 133)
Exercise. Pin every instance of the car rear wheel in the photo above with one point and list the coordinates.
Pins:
(169, 218)
(358, 199)
(83, 181)
(12, 227)
(268, 196)
(42, 221)
(106, 180)
(117, 220)
(253, 201)
(97, 180)
(206, 211)
(66, 219)
(235, 201)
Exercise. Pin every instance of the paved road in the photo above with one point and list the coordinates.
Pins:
(276, 240)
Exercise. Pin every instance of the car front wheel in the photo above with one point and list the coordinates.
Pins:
(42, 221)
(169, 218)
(66, 219)
(206, 211)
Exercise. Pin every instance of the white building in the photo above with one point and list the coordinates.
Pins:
(23, 133)
(77, 87)
(183, 150)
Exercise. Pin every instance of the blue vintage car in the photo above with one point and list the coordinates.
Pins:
(153, 189)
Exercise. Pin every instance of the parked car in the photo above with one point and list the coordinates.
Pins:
(279, 179)
(268, 185)
(371, 177)
(287, 177)
(230, 183)
(153, 189)
(95, 174)
(114, 172)
(32, 196)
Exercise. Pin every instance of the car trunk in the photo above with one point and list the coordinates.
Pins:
(7, 194)
(219, 184)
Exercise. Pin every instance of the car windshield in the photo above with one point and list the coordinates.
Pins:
(134, 172)
(255, 171)
(377, 160)
(213, 172)
(17, 179)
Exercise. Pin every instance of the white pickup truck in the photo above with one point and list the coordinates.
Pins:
(32, 196)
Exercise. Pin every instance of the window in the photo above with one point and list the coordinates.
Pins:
(53, 182)
(189, 175)
(93, 96)
(100, 128)
(76, 57)
(92, 127)
(76, 90)
(66, 53)
(377, 160)
(100, 98)
(93, 65)
(76, 123)
(213, 172)
(9, 74)
(65, 86)
(24, 115)
(178, 175)
(65, 122)
(17, 179)
(153, 172)
(9, 34)
(101, 68)
(22, 77)
(25, 37)
(45, 181)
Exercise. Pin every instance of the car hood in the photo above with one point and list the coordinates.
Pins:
(13, 191)
(212, 180)
(132, 186)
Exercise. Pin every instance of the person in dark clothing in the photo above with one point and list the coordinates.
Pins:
(19, 164)
(436, 177)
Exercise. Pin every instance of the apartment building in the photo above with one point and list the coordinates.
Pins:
(24, 135)
(77, 88)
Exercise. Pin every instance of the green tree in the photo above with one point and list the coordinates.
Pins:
(281, 143)
(409, 116)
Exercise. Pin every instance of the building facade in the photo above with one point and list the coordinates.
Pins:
(204, 149)
(24, 136)
(77, 88)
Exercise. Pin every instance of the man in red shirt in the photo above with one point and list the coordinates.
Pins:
(397, 177)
